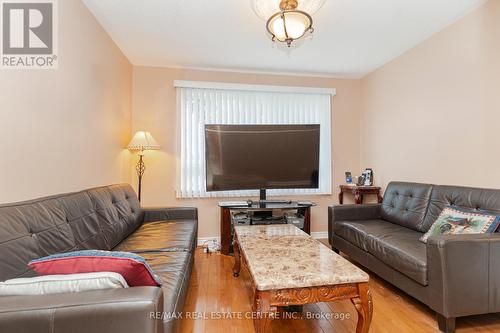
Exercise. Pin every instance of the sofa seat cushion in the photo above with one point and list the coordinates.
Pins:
(396, 246)
(355, 231)
(161, 262)
(161, 236)
(174, 269)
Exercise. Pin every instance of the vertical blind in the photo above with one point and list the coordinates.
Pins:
(201, 106)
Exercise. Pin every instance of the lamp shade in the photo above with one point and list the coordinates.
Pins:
(289, 25)
(143, 140)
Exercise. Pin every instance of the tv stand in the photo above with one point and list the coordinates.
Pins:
(261, 212)
(263, 202)
(262, 194)
(263, 199)
(275, 202)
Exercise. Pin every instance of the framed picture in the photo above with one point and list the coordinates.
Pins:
(348, 177)
(361, 180)
(368, 173)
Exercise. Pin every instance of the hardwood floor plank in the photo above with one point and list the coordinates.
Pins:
(213, 289)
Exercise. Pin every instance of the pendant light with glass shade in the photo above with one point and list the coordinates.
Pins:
(291, 21)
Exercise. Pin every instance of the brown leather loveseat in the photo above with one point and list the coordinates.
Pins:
(455, 275)
(104, 218)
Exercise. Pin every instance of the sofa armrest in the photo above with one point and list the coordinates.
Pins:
(351, 213)
(464, 274)
(127, 310)
(170, 213)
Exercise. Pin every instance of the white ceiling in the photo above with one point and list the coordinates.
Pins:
(352, 37)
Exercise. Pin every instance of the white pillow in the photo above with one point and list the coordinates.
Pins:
(56, 284)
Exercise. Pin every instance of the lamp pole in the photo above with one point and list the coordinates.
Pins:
(140, 168)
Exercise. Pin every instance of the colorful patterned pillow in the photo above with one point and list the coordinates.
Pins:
(453, 221)
(132, 267)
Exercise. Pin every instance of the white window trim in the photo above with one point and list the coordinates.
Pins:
(253, 87)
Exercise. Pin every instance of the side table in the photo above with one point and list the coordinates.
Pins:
(359, 192)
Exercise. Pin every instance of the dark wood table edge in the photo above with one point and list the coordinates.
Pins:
(266, 302)
(359, 192)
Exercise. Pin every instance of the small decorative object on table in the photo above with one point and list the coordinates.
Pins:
(348, 177)
(368, 177)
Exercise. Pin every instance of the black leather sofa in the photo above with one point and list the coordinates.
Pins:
(455, 275)
(104, 218)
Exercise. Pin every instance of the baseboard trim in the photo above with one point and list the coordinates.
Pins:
(319, 234)
(206, 240)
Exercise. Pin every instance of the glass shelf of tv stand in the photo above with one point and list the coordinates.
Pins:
(268, 205)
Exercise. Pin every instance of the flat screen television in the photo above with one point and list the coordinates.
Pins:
(244, 157)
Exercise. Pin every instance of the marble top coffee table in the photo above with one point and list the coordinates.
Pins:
(289, 267)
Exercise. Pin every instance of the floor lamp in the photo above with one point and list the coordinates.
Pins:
(141, 142)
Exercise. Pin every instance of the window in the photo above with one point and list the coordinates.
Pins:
(201, 103)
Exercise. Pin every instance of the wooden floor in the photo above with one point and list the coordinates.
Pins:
(217, 302)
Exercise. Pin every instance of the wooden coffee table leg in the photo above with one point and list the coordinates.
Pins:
(364, 306)
(263, 311)
(237, 258)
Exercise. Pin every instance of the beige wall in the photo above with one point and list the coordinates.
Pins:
(154, 109)
(433, 114)
(64, 130)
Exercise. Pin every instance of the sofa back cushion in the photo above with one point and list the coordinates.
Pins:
(406, 204)
(465, 198)
(118, 210)
(62, 223)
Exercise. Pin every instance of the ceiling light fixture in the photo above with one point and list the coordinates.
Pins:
(291, 20)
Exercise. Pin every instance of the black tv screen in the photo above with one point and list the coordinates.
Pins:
(243, 157)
